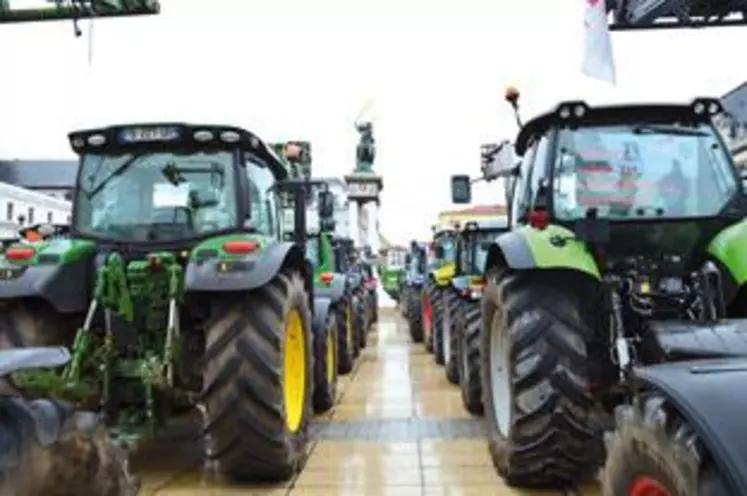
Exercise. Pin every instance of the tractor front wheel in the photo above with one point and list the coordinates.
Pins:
(468, 356)
(325, 366)
(346, 342)
(258, 372)
(655, 452)
(450, 338)
(538, 408)
(415, 315)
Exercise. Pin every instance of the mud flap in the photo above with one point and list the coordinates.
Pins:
(707, 393)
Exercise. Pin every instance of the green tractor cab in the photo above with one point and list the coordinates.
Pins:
(437, 291)
(185, 294)
(462, 346)
(393, 271)
(626, 249)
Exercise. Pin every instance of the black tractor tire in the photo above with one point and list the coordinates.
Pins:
(451, 339)
(404, 302)
(444, 319)
(415, 316)
(48, 448)
(551, 437)
(434, 297)
(346, 353)
(375, 305)
(654, 447)
(469, 328)
(28, 323)
(326, 366)
(361, 321)
(253, 349)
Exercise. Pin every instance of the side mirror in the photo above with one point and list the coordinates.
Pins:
(498, 161)
(327, 225)
(461, 189)
(326, 204)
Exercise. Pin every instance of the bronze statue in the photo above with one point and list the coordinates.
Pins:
(366, 149)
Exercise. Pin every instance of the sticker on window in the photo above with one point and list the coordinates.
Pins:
(167, 195)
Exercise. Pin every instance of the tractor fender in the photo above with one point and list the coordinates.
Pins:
(334, 291)
(460, 283)
(703, 392)
(250, 272)
(50, 282)
(321, 311)
(728, 249)
(528, 248)
(17, 359)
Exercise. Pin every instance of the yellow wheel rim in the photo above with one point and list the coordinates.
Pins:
(294, 371)
(349, 327)
(331, 357)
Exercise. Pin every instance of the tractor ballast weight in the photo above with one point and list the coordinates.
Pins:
(625, 250)
(189, 286)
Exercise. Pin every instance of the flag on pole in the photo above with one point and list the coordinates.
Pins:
(598, 61)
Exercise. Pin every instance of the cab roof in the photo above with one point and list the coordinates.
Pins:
(153, 135)
(615, 114)
(486, 224)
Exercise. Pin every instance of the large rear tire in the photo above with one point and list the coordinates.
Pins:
(468, 355)
(443, 330)
(258, 382)
(538, 408)
(346, 344)
(362, 323)
(325, 367)
(415, 315)
(450, 338)
(654, 448)
(437, 315)
(427, 296)
(49, 449)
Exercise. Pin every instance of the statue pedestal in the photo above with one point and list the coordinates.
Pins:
(363, 190)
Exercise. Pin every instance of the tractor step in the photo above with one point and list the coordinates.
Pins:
(681, 340)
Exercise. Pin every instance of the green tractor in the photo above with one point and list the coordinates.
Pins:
(358, 291)
(412, 289)
(616, 300)
(393, 270)
(185, 295)
(462, 347)
(437, 291)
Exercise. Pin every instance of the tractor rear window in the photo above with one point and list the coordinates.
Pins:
(396, 258)
(157, 197)
(641, 171)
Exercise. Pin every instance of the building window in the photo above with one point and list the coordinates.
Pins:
(68, 195)
(9, 211)
(69, 219)
(31, 215)
(49, 217)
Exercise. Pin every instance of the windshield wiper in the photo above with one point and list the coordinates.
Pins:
(667, 130)
(117, 172)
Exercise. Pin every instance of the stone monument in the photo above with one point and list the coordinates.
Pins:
(364, 187)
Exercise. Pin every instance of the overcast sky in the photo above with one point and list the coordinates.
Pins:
(300, 69)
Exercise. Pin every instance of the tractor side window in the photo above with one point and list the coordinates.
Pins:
(262, 198)
(539, 168)
(522, 189)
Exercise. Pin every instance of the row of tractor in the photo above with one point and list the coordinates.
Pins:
(599, 329)
(201, 272)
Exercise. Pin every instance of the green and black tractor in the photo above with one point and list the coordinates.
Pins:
(175, 289)
(462, 347)
(359, 282)
(617, 299)
(412, 289)
(437, 290)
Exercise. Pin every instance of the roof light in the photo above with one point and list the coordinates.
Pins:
(565, 112)
(20, 253)
(203, 136)
(714, 108)
(230, 136)
(96, 140)
(327, 277)
(78, 143)
(579, 111)
(254, 142)
(240, 246)
(142, 134)
(699, 108)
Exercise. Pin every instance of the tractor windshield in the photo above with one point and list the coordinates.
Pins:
(480, 252)
(151, 197)
(312, 250)
(641, 171)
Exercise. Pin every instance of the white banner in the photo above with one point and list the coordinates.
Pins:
(598, 60)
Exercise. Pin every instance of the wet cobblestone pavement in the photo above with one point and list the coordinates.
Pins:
(398, 429)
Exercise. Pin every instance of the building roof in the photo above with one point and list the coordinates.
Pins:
(39, 174)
